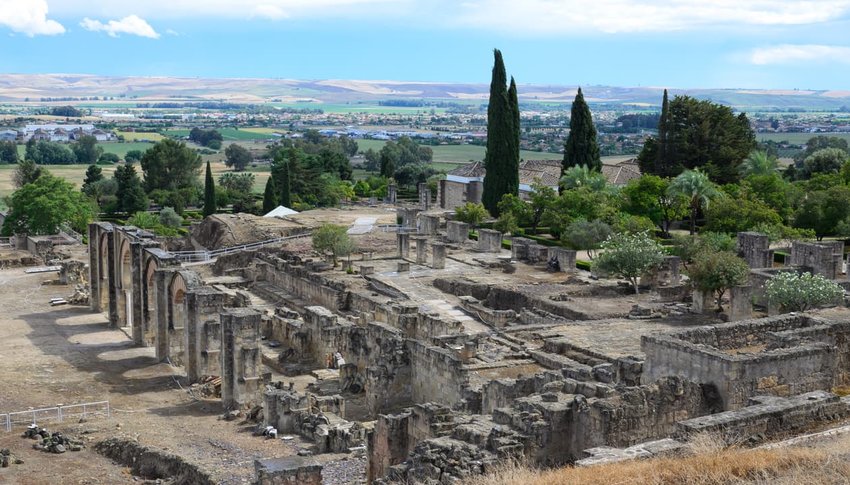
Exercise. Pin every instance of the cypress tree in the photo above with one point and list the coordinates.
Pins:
(581, 147)
(502, 156)
(269, 196)
(285, 198)
(662, 158)
(512, 172)
(209, 193)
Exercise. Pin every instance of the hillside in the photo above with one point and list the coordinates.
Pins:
(315, 93)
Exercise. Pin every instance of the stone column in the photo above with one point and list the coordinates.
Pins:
(740, 303)
(240, 357)
(94, 269)
(421, 250)
(566, 259)
(489, 241)
(112, 279)
(456, 231)
(703, 302)
(161, 340)
(137, 281)
(753, 248)
(424, 196)
(403, 244)
(392, 193)
(438, 255)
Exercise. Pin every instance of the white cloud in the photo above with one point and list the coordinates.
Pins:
(797, 53)
(273, 12)
(131, 24)
(28, 17)
(614, 16)
(230, 9)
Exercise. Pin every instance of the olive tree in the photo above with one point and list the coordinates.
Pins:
(794, 292)
(716, 272)
(333, 239)
(629, 256)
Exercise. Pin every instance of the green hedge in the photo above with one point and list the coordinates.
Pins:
(585, 265)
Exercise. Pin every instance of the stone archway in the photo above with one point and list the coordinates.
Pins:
(125, 266)
(177, 318)
(149, 299)
(103, 273)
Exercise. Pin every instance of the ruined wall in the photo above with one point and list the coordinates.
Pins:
(437, 375)
(302, 282)
(779, 356)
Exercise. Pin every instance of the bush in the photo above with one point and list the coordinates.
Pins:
(716, 272)
(794, 292)
(586, 235)
(169, 218)
(471, 213)
(108, 159)
(629, 256)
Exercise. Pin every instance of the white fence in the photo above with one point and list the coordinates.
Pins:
(203, 256)
(56, 414)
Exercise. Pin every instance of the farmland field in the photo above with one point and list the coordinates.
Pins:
(229, 134)
(135, 136)
(460, 153)
(116, 147)
(797, 138)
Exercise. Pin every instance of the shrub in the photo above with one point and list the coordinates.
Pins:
(586, 235)
(716, 272)
(168, 217)
(629, 256)
(794, 292)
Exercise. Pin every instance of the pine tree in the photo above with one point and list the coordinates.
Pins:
(270, 196)
(662, 158)
(209, 193)
(581, 147)
(501, 160)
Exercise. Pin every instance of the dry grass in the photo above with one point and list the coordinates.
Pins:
(712, 466)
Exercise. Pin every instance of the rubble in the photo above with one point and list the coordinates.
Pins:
(52, 442)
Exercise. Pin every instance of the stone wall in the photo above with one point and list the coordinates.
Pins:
(301, 281)
(436, 375)
(779, 356)
(240, 358)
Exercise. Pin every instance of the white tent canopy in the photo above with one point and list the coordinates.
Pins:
(281, 211)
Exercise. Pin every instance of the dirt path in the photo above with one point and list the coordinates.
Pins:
(66, 355)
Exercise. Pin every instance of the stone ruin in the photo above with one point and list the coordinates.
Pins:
(442, 359)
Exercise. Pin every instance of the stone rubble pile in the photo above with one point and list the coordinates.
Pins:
(80, 296)
(51, 442)
(7, 458)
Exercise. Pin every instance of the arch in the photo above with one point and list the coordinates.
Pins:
(149, 300)
(103, 272)
(177, 302)
(125, 278)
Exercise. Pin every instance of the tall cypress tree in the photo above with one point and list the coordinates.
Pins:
(502, 156)
(209, 193)
(269, 196)
(662, 157)
(581, 147)
(512, 172)
(284, 190)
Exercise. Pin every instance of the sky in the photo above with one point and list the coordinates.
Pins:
(766, 44)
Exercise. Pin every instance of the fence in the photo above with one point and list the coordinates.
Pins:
(55, 414)
(204, 256)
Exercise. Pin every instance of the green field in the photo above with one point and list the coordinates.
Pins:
(797, 138)
(458, 154)
(229, 134)
(360, 108)
(116, 147)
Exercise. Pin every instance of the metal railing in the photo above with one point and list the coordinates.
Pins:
(204, 256)
(55, 414)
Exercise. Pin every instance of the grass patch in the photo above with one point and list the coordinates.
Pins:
(132, 136)
(797, 138)
(784, 465)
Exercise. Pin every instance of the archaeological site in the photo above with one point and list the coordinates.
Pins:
(431, 354)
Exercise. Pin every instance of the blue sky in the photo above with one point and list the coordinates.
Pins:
(770, 44)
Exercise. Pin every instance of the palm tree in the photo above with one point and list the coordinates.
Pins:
(759, 162)
(582, 176)
(694, 186)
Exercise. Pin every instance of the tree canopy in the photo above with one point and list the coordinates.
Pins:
(501, 159)
(699, 135)
(44, 205)
(237, 157)
(581, 148)
(170, 165)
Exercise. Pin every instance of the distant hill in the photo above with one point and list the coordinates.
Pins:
(19, 87)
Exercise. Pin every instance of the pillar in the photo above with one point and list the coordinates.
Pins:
(703, 301)
(740, 303)
(438, 255)
(240, 357)
(421, 250)
(456, 231)
(489, 241)
(392, 193)
(566, 259)
(403, 244)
